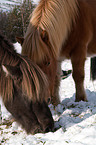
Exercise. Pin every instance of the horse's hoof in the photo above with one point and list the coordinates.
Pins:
(81, 99)
(48, 129)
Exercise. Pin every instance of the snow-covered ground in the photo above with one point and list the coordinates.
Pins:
(77, 121)
(6, 5)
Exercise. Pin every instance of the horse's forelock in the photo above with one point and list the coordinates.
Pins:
(6, 87)
(34, 82)
(6, 82)
(37, 48)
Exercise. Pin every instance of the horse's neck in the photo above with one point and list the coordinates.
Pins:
(56, 17)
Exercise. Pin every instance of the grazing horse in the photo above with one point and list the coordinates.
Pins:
(66, 28)
(24, 90)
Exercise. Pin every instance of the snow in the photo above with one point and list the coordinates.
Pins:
(76, 120)
(4, 4)
(18, 47)
(36, 1)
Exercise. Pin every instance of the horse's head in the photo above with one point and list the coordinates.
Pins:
(43, 56)
(28, 103)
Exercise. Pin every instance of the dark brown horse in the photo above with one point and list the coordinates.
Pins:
(66, 28)
(24, 90)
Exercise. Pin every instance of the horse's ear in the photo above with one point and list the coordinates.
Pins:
(44, 36)
(20, 40)
(13, 71)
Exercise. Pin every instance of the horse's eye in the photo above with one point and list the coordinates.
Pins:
(49, 100)
(47, 63)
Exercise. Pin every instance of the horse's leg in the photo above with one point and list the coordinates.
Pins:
(55, 97)
(78, 60)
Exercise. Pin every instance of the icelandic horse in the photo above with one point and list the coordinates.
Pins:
(24, 90)
(67, 29)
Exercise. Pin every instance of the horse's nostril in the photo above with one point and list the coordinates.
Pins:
(47, 129)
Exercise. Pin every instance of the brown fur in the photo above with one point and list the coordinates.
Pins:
(31, 74)
(24, 90)
(71, 27)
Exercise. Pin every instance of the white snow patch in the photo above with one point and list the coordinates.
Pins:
(18, 47)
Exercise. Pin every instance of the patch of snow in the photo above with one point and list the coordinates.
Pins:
(18, 47)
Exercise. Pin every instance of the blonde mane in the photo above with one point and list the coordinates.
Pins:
(54, 16)
(34, 83)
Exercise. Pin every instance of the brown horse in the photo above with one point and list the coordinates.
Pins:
(66, 28)
(24, 90)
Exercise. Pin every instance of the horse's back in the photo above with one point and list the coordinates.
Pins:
(90, 3)
(92, 44)
(83, 31)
